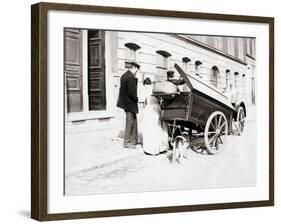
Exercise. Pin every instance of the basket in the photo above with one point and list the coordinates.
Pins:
(164, 87)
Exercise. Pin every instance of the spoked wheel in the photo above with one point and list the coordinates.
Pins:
(216, 130)
(240, 120)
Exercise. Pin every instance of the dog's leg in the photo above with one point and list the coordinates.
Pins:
(187, 146)
(174, 154)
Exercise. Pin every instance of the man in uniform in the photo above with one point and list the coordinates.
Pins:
(128, 101)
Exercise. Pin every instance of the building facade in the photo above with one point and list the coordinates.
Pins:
(95, 60)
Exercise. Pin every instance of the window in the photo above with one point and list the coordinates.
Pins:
(211, 41)
(214, 76)
(130, 53)
(244, 86)
(236, 47)
(225, 44)
(219, 43)
(197, 68)
(231, 46)
(251, 47)
(227, 76)
(162, 64)
(236, 79)
(185, 61)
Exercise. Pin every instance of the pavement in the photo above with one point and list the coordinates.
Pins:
(89, 151)
(93, 150)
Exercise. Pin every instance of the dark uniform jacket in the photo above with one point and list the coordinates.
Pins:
(128, 99)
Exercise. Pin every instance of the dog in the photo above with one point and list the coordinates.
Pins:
(180, 147)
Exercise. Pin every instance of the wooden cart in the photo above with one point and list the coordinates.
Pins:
(202, 110)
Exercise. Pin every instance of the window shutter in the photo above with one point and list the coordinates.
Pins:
(73, 69)
(96, 70)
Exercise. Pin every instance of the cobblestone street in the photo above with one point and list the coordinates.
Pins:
(96, 163)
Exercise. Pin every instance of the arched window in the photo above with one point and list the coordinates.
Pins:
(236, 79)
(227, 77)
(162, 64)
(197, 68)
(130, 53)
(132, 46)
(185, 61)
(214, 76)
(244, 86)
(165, 54)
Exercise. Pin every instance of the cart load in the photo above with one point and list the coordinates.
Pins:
(164, 87)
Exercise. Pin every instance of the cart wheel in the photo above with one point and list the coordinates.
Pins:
(240, 120)
(216, 130)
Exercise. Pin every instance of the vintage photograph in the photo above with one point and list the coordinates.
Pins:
(148, 112)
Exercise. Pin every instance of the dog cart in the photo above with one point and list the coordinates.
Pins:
(200, 112)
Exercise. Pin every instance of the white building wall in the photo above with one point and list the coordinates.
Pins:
(178, 48)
